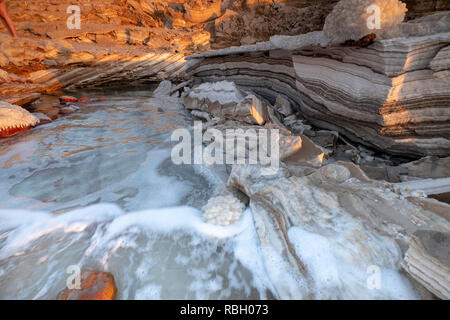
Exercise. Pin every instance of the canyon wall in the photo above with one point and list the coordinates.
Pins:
(391, 95)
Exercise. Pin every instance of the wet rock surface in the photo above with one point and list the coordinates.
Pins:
(94, 285)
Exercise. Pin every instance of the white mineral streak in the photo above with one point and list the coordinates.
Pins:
(12, 116)
(223, 210)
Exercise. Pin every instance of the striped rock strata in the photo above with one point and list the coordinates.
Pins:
(427, 260)
(14, 119)
(393, 95)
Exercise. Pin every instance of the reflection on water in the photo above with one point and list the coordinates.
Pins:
(107, 152)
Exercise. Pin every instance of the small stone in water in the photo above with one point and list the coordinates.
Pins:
(43, 118)
(68, 110)
(95, 285)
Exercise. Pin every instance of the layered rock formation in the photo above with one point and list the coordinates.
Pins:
(392, 95)
(339, 210)
(428, 261)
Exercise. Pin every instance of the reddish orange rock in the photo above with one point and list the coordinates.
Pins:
(95, 285)
(64, 99)
(363, 42)
(7, 132)
(84, 100)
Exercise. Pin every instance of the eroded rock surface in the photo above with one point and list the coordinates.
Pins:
(428, 261)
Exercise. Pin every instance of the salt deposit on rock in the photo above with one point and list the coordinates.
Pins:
(164, 88)
(428, 261)
(14, 119)
(223, 210)
(353, 19)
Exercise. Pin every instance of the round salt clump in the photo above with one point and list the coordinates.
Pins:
(354, 19)
(223, 210)
(335, 173)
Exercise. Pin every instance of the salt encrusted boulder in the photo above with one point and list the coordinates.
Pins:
(353, 19)
(428, 261)
(200, 11)
(391, 100)
(14, 119)
(163, 89)
(224, 100)
(392, 95)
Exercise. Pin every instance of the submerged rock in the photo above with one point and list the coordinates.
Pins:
(95, 285)
(69, 109)
(223, 210)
